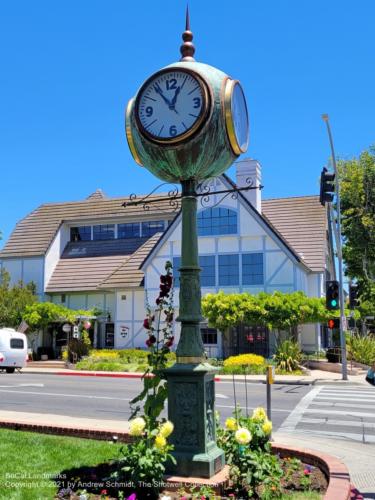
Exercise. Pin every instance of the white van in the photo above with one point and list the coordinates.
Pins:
(13, 350)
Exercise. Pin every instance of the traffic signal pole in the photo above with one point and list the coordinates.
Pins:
(339, 256)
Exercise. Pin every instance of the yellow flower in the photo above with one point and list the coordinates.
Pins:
(243, 436)
(231, 424)
(166, 429)
(137, 426)
(160, 441)
(267, 427)
(259, 414)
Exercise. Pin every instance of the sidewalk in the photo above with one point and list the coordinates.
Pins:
(358, 457)
(316, 377)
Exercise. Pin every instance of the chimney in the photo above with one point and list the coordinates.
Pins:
(249, 169)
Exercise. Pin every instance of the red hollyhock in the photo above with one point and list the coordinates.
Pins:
(146, 324)
(169, 342)
(151, 340)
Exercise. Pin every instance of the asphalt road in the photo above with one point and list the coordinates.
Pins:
(108, 398)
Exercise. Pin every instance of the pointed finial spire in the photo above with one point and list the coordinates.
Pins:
(187, 49)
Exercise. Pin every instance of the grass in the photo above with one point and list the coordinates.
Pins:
(34, 459)
(303, 495)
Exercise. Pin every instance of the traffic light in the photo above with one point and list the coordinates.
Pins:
(327, 186)
(332, 295)
(353, 296)
(333, 323)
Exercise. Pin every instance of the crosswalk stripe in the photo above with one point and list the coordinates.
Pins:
(350, 436)
(343, 405)
(351, 394)
(338, 412)
(338, 423)
(334, 398)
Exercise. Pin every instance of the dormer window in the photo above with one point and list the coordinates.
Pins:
(150, 228)
(130, 230)
(81, 233)
(104, 232)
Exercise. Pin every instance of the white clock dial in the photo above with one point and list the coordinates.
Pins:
(171, 105)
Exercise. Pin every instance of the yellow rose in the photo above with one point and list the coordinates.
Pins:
(259, 414)
(231, 424)
(243, 436)
(267, 427)
(160, 441)
(166, 429)
(137, 426)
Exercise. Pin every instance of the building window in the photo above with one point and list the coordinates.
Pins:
(131, 230)
(149, 228)
(104, 232)
(207, 274)
(209, 336)
(228, 270)
(215, 221)
(207, 265)
(82, 233)
(252, 269)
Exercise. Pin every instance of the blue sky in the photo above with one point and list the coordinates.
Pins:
(68, 69)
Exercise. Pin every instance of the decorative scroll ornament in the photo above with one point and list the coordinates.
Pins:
(171, 201)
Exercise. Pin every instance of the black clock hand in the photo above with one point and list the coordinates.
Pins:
(160, 92)
(173, 103)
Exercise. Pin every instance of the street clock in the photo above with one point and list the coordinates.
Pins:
(188, 120)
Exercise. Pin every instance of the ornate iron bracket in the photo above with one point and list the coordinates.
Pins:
(171, 202)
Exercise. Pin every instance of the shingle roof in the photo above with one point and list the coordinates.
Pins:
(302, 222)
(72, 275)
(33, 235)
(129, 274)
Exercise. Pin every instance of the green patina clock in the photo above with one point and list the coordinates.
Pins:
(188, 120)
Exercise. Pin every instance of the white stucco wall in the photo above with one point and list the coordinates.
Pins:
(55, 250)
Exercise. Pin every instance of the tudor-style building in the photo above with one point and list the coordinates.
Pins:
(97, 253)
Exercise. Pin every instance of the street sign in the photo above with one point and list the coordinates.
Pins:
(67, 328)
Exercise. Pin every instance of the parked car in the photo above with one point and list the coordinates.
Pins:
(13, 350)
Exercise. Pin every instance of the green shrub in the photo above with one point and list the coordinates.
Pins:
(288, 356)
(361, 348)
(243, 370)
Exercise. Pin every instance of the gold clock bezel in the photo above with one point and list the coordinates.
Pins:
(228, 114)
(128, 132)
(207, 104)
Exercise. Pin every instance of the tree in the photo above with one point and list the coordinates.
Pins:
(40, 314)
(14, 300)
(357, 188)
(277, 310)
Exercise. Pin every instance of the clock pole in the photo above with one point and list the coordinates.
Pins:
(191, 384)
(199, 151)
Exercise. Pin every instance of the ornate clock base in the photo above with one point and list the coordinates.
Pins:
(191, 408)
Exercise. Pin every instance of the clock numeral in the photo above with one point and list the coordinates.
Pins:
(171, 84)
(149, 111)
(197, 102)
(173, 130)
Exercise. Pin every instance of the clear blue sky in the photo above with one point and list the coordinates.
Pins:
(68, 69)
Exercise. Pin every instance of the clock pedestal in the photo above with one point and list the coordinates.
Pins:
(191, 385)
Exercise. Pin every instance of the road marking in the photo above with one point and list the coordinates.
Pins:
(351, 394)
(337, 412)
(343, 405)
(83, 396)
(339, 423)
(222, 396)
(21, 385)
(249, 408)
(292, 420)
(352, 398)
(350, 436)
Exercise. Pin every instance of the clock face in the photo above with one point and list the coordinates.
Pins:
(171, 105)
(236, 116)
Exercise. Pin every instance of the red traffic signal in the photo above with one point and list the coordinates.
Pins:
(333, 323)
